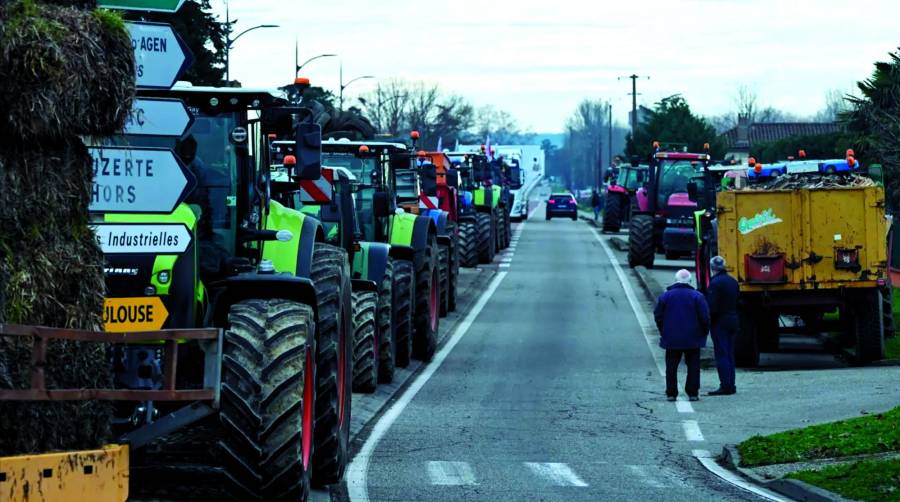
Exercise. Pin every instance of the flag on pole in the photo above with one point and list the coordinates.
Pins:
(456, 149)
(440, 146)
(487, 148)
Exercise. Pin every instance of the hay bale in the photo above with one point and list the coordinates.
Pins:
(63, 72)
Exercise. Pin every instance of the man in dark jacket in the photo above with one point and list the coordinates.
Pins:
(722, 296)
(596, 204)
(682, 317)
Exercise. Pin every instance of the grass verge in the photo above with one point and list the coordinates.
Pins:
(856, 436)
(867, 480)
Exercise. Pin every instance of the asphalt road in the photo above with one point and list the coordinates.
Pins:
(552, 393)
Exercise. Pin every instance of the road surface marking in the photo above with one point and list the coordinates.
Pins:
(709, 461)
(450, 473)
(647, 329)
(358, 471)
(555, 473)
(692, 430)
(641, 472)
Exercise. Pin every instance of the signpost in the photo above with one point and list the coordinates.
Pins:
(144, 313)
(138, 180)
(160, 55)
(143, 238)
(158, 117)
(170, 6)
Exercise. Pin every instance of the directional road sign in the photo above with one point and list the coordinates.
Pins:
(160, 55)
(158, 117)
(138, 180)
(143, 238)
(143, 313)
(151, 5)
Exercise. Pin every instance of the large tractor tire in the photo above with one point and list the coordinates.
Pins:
(868, 325)
(767, 333)
(268, 391)
(365, 342)
(612, 213)
(746, 344)
(385, 320)
(485, 237)
(428, 296)
(404, 306)
(468, 244)
(887, 310)
(507, 229)
(331, 275)
(444, 274)
(499, 238)
(641, 251)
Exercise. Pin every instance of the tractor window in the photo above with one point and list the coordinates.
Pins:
(407, 186)
(361, 168)
(674, 177)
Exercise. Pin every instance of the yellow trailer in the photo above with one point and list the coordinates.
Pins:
(805, 252)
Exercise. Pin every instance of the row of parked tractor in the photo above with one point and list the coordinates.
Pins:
(310, 268)
(808, 241)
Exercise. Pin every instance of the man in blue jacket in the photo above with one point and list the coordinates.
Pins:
(722, 296)
(682, 317)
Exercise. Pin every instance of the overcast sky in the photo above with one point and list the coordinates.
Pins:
(539, 58)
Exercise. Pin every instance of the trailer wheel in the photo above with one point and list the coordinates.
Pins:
(404, 300)
(887, 310)
(454, 271)
(386, 336)
(612, 213)
(444, 273)
(746, 346)
(331, 275)
(867, 324)
(365, 343)
(485, 237)
(468, 244)
(267, 399)
(640, 242)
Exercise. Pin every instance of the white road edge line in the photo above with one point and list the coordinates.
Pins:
(556, 473)
(709, 461)
(647, 328)
(358, 470)
(692, 430)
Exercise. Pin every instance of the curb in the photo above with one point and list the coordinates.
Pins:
(793, 488)
(648, 283)
(619, 244)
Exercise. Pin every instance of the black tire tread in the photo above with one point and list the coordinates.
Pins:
(365, 369)
(404, 296)
(444, 274)
(868, 325)
(485, 238)
(386, 325)
(641, 249)
(263, 370)
(468, 244)
(425, 339)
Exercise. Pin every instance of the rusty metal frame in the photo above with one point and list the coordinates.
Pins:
(170, 338)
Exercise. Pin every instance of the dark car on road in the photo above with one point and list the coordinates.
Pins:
(562, 204)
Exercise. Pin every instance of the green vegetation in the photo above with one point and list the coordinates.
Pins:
(892, 348)
(869, 480)
(869, 434)
(822, 146)
(111, 21)
(672, 123)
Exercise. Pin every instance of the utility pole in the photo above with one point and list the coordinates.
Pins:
(634, 95)
(610, 125)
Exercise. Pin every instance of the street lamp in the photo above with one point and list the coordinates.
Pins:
(230, 41)
(344, 86)
(300, 66)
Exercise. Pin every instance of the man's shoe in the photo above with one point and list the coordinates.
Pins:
(670, 398)
(722, 392)
(693, 398)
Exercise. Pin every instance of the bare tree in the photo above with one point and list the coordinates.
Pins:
(747, 103)
(836, 104)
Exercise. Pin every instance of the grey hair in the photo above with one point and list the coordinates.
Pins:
(717, 263)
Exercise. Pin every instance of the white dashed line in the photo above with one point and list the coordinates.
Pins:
(556, 473)
(683, 406)
(692, 430)
(641, 472)
(450, 473)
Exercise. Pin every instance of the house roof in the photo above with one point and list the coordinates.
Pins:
(774, 131)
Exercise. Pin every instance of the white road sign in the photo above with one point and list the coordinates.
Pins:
(158, 117)
(160, 56)
(138, 180)
(136, 238)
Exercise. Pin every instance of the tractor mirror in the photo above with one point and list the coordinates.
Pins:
(309, 151)
(381, 205)
(876, 173)
(692, 192)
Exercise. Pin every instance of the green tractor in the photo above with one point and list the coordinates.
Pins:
(265, 274)
(388, 213)
(491, 218)
(330, 199)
